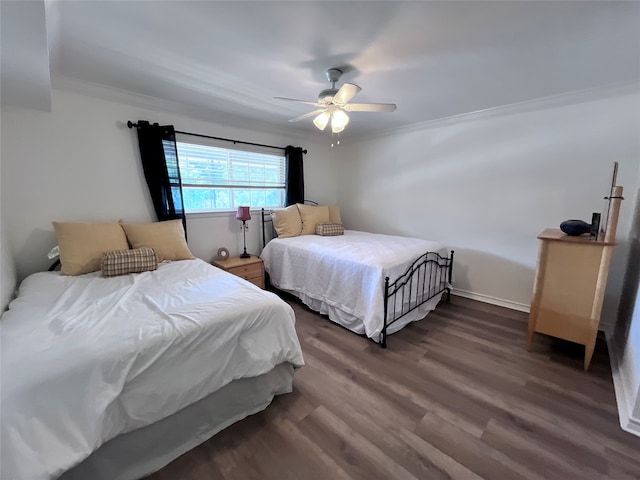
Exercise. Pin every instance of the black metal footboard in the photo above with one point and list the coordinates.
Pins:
(428, 276)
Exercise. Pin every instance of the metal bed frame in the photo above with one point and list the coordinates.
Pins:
(428, 276)
(425, 287)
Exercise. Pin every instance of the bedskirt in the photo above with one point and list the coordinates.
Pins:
(141, 452)
(356, 324)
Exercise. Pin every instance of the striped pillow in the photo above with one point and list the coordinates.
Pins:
(124, 262)
(327, 229)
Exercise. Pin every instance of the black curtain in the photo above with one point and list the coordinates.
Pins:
(294, 187)
(159, 157)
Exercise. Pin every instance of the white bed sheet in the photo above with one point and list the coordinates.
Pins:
(87, 358)
(343, 276)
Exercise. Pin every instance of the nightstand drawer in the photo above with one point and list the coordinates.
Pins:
(245, 271)
(249, 276)
(251, 269)
(256, 280)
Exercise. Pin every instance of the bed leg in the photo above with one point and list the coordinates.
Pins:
(383, 334)
(450, 272)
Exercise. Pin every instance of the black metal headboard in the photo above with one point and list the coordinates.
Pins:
(54, 265)
(264, 220)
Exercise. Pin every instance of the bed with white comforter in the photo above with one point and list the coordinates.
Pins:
(343, 276)
(86, 359)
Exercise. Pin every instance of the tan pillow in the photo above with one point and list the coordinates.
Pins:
(311, 216)
(334, 214)
(124, 262)
(287, 222)
(166, 238)
(329, 229)
(82, 244)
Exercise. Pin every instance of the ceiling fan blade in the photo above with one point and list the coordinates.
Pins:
(370, 107)
(308, 102)
(346, 93)
(307, 115)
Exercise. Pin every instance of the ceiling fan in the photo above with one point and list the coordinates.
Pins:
(334, 104)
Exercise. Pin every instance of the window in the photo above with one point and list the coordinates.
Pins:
(221, 179)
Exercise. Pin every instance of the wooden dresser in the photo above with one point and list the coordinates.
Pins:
(568, 292)
(251, 269)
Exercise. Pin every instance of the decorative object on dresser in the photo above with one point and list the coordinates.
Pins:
(244, 215)
(575, 227)
(595, 225)
(570, 281)
(251, 269)
(610, 195)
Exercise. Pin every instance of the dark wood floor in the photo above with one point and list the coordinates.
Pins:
(454, 396)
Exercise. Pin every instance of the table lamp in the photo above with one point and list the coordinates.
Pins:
(243, 215)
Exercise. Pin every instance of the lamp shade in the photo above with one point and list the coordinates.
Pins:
(321, 120)
(339, 120)
(243, 214)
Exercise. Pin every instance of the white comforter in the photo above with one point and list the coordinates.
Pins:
(87, 358)
(345, 274)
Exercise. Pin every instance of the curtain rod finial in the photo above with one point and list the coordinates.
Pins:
(130, 124)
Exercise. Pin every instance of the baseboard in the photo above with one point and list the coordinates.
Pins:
(501, 302)
(627, 422)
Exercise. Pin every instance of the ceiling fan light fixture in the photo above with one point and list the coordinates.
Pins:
(339, 120)
(322, 120)
(333, 103)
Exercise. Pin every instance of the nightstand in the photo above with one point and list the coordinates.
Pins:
(251, 269)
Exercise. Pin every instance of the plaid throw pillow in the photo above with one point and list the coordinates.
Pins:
(124, 262)
(329, 229)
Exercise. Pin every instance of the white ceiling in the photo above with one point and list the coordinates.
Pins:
(227, 60)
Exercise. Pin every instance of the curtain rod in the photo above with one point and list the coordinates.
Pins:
(130, 124)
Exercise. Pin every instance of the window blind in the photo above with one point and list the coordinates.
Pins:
(216, 178)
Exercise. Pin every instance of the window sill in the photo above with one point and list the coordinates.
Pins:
(210, 214)
(226, 213)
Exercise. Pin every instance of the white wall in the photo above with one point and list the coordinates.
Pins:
(630, 369)
(8, 276)
(8, 273)
(81, 163)
(487, 184)
(625, 344)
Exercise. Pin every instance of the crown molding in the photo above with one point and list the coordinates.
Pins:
(552, 101)
(108, 93)
(103, 92)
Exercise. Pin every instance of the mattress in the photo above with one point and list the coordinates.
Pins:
(87, 358)
(343, 276)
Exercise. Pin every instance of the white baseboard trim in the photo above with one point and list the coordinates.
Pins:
(627, 422)
(501, 302)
